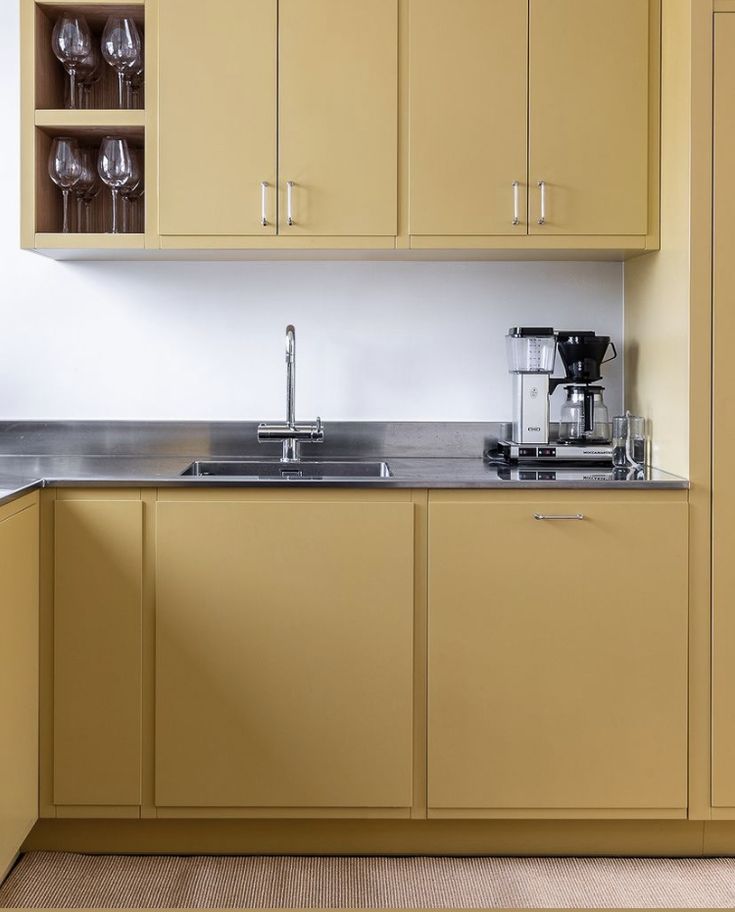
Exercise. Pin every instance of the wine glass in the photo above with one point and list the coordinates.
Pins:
(86, 188)
(122, 48)
(65, 169)
(72, 43)
(89, 72)
(135, 86)
(115, 166)
(132, 190)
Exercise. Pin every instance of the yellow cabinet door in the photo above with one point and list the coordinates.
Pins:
(217, 117)
(588, 116)
(18, 675)
(338, 117)
(723, 504)
(97, 652)
(468, 112)
(557, 657)
(284, 654)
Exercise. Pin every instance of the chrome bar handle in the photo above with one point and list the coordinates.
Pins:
(264, 203)
(564, 517)
(516, 202)
(289, 201)
(542, 215)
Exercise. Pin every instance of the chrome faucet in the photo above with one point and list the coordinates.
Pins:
(290, 433)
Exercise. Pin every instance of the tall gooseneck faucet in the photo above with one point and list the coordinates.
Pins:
(291, 434)
(290, 376)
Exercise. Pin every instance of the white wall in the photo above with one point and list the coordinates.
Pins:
(412, 341)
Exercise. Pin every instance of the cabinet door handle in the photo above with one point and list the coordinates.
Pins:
(564, 517)
(516, 202)
(264, 203)
(289, 201)
(542, 214)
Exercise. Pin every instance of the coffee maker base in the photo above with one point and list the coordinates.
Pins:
(557, 452)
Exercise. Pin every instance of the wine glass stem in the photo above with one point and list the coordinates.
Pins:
(114, 192)
(79, 213)
(65, 194)
(121, 90)
(72, 88)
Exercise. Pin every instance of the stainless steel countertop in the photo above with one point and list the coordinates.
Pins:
(153, 454)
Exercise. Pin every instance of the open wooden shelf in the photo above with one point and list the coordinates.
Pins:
(46, 117)
(93, 134)
(92, 241)
(49, 206)
(110, 120)
(51, 78)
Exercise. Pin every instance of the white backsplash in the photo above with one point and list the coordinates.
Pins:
(392, 341)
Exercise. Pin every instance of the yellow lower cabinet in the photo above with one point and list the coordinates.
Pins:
(18, 675)
(557, 656)
(284, 638)
(97, 653)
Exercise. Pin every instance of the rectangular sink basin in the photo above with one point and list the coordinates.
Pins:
(324, 469)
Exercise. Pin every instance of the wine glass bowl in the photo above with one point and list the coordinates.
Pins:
(65, 170)
(122, 48)
(71, 41)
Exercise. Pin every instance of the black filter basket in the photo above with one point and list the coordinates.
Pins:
(583, 354)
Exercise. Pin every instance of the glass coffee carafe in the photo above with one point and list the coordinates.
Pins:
(584, 417)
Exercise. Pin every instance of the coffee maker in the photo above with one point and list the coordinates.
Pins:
(584, 417)
(584, 428)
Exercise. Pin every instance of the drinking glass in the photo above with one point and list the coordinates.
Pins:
(86, 188)
(72, 43)
(122, 48)
(65, 169)
(115, 166)
(635, 445)
(619, 440)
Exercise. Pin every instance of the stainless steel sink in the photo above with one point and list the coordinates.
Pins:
(304, 468)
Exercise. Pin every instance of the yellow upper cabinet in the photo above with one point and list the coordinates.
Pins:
(468, 105)
(521, 125)
(329, 116)
(588, 117)
(217, 117)
(338, 117)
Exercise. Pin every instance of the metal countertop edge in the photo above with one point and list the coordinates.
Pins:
(416, 484)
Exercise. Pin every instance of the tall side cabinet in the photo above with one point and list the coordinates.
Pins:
(723, 507)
